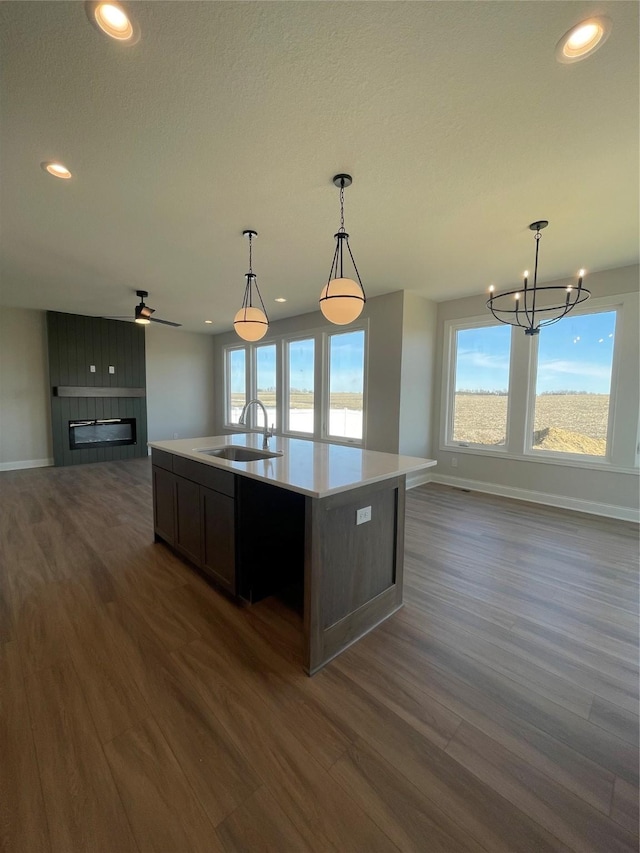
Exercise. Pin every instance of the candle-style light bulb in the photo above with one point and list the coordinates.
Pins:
(491, 289)
(517, 296)
(526, 277)
(580, 277)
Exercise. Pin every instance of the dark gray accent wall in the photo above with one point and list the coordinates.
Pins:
(75, 343)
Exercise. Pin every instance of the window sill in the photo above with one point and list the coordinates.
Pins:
(545, 458)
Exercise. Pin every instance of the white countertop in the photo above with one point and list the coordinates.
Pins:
(309, 467)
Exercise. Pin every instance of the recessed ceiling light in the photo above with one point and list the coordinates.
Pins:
(583, 39)
(56, 169)
(279, 299)
(209, 322)
(111, 18)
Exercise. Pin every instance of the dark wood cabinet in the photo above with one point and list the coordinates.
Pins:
(246, 536)
(194, 510)
(164, 504)
(218, 537)
(188, 526)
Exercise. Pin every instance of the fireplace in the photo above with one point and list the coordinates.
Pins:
(110, 432)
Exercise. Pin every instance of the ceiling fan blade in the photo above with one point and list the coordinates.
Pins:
(164, 322)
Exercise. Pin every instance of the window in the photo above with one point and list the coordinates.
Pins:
(346, 384)
(236, 383)
(300, 386)
(312, 385)
(480, 362)
(266, 383)
(573, 385)
(568, 396)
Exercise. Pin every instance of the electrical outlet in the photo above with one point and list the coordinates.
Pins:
(92, 368)
(454, 461)
(175, 435)
(112, 369)
(363, 515)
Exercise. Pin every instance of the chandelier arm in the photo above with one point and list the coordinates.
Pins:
(264, 310)
(246, 303)
(356, 269)
(334, 265)
(532, 321)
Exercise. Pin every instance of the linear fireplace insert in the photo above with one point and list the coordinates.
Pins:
(109, 432)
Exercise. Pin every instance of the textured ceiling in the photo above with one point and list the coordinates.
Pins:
(454, 118)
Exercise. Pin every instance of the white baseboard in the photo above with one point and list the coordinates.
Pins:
(592, 507)
(27, 463)
(418, 478)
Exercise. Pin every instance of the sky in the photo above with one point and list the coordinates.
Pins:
(346, 358)
(574, 354)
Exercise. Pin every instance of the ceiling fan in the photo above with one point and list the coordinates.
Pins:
(143, 313)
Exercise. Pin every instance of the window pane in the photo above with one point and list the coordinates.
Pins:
(573, 383)
(237, 384)
(300, 394)
(481, 385)
(266, 382)
(346, 384)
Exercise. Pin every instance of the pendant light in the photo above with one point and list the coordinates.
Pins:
(342, 299)
(532, 306)
(251, 323)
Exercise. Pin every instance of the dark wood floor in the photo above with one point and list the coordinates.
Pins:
(142, 711)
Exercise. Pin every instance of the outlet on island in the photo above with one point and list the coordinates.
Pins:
(363, 515)
(175, 435)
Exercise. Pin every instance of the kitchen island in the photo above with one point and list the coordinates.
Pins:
(330, 517)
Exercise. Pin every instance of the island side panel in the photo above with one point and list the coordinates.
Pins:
(353, 573)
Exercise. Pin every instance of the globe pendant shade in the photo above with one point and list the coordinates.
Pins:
(250, 324)
(342, 301)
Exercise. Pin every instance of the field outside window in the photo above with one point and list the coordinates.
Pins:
(266, 372)
(573, 385)
(346, 384)
(300, 393)
(481, 380)
(236, 383)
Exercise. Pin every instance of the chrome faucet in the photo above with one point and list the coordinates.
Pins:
(267, 432)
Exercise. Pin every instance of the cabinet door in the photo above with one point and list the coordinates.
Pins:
(164, 504)
(188, 519)
(218, 537)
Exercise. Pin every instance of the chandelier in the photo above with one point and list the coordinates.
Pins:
(342, 299)
(251, 323)
(535, 306)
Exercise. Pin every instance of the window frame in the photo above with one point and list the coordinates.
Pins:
(253, 388)
(452, 327)
(228, 423)
(286, 343)
(620, 458)
(320, 337)
(560, 455)
(326, 362)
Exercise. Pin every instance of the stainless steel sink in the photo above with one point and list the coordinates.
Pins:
(239, 454)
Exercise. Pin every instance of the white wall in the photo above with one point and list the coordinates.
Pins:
(611, 492)
(419, 325)
(25, 415)
(180, 383)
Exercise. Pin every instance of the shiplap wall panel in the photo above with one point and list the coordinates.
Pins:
(75, 343)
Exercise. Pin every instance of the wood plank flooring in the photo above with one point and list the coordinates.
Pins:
(141, 710)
